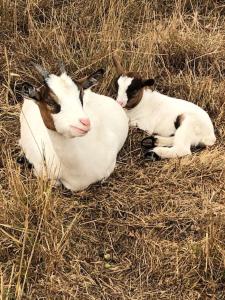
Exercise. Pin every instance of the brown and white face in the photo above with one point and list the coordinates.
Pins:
(60, 101)
(129, 86)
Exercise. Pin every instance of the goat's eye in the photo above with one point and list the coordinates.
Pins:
(57, 108)
(54, 107)
(51, 104)
(134, 91)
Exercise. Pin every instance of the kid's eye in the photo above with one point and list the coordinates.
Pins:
(134, 91)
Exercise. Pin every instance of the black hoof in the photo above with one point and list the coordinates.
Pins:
(151, 156)
(148, 142)
(198, 148)
(23, 161)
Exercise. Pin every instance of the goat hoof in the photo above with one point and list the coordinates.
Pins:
(22, 160)
(151, 156)
(148, 142)
(198, 148)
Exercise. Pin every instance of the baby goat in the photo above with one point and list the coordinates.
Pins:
(69, 133)
(174, 125)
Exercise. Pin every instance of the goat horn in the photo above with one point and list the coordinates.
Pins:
(117, 64)
(62, 67)
(44, 73)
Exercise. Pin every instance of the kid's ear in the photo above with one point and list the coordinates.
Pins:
(117, 64)
(92, 79)
(148, 82)
(29, 91)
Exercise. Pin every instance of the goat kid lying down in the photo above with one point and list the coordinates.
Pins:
(69, 133)
(174, 125)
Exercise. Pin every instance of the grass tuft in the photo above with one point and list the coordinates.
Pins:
(151, 231)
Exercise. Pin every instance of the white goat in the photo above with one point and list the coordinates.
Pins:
(174, 125)
(69, 133)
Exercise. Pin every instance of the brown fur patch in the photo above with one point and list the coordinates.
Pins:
(46, 116)
(134, 101)
(48, 105)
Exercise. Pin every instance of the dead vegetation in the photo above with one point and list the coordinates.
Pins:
(151, 231)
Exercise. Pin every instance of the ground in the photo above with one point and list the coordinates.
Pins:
(152, 230)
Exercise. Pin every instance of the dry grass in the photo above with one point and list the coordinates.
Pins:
(151, 231)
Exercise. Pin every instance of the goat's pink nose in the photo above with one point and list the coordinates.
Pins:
(120, 103)
(85, 122)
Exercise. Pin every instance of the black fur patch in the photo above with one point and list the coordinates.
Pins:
(81, 95)
(116, 83)
(134, 87)
(198, 148)
(177, 122)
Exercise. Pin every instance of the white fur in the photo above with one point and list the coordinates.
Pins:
(156, 113)
(71, 108)
(80, 161)
(123, 83)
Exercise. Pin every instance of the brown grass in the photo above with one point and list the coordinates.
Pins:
(152, 230)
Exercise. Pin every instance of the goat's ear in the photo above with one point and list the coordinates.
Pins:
(92, 79)
(148, 82)
(29, 91)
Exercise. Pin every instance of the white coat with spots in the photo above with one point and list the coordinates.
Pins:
(177, 125)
